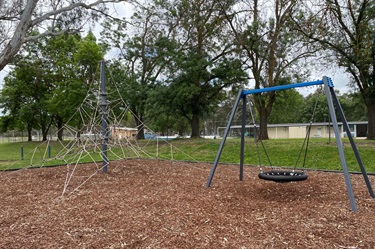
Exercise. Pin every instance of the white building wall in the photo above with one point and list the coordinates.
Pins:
(297, 132)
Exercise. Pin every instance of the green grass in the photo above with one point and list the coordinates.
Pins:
(282, 152)
(22, 154)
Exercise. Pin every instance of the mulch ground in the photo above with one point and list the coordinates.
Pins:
(165, 204)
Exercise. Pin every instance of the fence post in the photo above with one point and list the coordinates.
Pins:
(22, 152)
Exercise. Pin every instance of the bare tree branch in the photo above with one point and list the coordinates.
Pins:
(19, 34)
(49, 33)
(25, 22)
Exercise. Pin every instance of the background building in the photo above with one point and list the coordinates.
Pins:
(298, 130)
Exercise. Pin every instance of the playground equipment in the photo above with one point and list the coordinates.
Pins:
(286, 176)
(91, 136)
(104, 126)
(283, 176)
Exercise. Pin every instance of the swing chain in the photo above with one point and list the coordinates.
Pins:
(256, 134)
(307, 137)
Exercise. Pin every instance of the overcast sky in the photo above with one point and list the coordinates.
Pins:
(339, 78)
(3, 73)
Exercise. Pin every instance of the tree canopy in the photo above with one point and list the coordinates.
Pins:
(274, 51)
(19, 18)
(345, 30)
(178, 62)
(50, 81)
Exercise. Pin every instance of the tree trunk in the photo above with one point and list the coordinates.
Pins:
(263, 124)
(180, 132)
(60, 128)
(195, 125)
(44, 134)
(29, 133)
(371, 121)
(12, 47)
(141, 131)
(140, 126)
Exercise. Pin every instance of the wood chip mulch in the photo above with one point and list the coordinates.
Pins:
(165, 204)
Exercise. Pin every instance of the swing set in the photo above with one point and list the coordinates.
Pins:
(296, 175)
(277, 175)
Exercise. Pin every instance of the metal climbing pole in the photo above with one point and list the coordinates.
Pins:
(103, 95)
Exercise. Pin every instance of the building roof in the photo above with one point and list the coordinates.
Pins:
(123, 128)
(298, 124)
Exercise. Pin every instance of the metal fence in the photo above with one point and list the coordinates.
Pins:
(21, 136)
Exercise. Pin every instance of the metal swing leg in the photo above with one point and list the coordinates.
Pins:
(352, 143)
(226, 132)
(327, 87)
(243, 130)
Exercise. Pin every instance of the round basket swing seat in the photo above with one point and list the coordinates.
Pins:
(283, 176)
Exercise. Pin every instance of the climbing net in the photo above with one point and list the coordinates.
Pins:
(85, 138)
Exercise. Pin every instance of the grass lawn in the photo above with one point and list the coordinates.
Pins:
(282, 152)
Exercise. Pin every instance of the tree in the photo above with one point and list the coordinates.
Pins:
(5, 123)
(73, 63)
(317, 101)
(24, 99)
(288, 107)
(205, 63)
(353, 106)
(345, 29)
(50, 81)
(161, 114)
(272, 49)
(19, 18)
(142, 58)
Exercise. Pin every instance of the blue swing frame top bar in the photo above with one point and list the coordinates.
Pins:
(296, 85)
